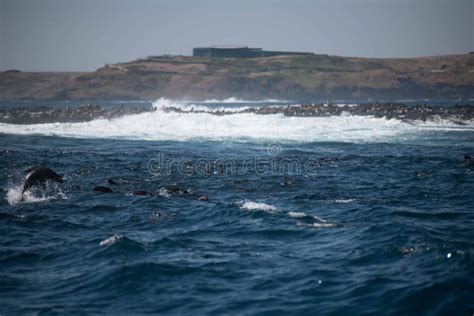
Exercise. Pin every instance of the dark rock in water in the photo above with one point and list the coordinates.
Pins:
(111, 181)
(102, 189)
(141, 192)
(39, 175)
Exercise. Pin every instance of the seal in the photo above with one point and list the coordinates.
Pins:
(176, 190)
(203, 198)
(468, 160)
(111, 181)
(38, 176)
(102, 189)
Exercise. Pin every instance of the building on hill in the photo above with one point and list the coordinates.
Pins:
(231, 51)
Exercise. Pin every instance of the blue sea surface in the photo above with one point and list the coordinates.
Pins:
(290, 227)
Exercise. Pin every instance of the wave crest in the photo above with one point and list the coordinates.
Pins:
(15, 195)
(207, 121)
(257, 206)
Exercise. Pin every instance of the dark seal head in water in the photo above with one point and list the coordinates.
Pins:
(111, 181)
(38, 176)
(468, 160)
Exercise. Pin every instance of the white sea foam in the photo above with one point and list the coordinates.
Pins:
(316, 221)
(303, 214)
(321, 224)
(215, 106)
(164, 193)
(165, 103)
(256, 206)
(235, 100)
(162, 125)
(297, 214)
(344, 200)
(189, 106)
(14, 196)
(111, 240)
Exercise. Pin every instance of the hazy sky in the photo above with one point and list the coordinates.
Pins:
(70, 35)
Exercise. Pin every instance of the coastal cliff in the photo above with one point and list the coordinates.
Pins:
(280, 77)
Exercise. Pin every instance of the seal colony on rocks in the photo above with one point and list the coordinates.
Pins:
(83, 113)
(458, 114)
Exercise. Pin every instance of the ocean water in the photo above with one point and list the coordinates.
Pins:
(304, 215)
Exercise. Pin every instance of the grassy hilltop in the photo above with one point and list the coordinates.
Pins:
(287, 77)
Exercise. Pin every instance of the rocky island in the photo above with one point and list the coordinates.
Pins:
(305, 77)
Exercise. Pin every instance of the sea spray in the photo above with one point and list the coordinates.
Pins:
(187, 123)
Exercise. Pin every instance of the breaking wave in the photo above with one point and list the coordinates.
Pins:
(257, 206)
(15, 196)
(189, 124)
(236, 100)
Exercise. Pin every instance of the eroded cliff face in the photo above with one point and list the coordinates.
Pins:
(286, 77)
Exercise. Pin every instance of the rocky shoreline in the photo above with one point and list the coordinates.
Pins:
(459, 114)
(82, 113)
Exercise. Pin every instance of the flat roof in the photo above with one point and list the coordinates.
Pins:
(225, 47)
(228, 46)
